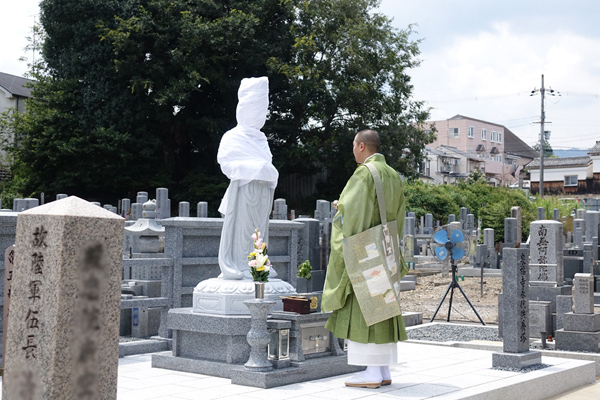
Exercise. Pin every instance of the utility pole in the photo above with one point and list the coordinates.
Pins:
(542, 120)
(542, 132)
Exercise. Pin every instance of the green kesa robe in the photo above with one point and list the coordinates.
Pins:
(357, 212)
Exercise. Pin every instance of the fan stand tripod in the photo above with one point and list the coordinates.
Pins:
(454, 284)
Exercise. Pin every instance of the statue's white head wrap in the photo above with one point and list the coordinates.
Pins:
(244, 153)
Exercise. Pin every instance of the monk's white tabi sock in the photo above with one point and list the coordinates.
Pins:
(385, 372)
(371, 374)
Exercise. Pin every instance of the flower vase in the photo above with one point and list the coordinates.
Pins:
(259, 337)
(259, 290)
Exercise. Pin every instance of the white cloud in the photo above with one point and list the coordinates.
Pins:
(15, 27)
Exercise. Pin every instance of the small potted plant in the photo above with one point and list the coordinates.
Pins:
(304, 278)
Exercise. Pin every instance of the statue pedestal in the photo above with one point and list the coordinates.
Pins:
(226, 297)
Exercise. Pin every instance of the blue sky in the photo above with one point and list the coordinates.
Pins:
(480, 58)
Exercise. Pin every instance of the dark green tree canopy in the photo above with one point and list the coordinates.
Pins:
(548, 151)
(136, 94)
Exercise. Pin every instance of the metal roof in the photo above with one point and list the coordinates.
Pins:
(558, 162)
(438, 152)
(460, 152)
(594, 151)
(15, 85)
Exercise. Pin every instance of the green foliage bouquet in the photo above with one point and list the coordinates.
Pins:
(258, 260)
(304, 270)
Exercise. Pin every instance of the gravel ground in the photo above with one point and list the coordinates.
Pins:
(430, 291)
(453, 333)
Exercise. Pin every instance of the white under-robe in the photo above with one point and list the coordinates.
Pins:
(371, 354)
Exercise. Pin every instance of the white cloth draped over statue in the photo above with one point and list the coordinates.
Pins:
(245, 159)
(244, 153)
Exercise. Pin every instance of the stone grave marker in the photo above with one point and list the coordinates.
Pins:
(583, 294)
(464, 211)
(184, 209)
(202, 209)
(578, 232)
(581, 213)
(541, 213)
(587, 258)
(470, 224)
(546, 264)
(581, 328)
(126, 208)
(323, 210)
(488, 238)
(514, 309)
(555, 215)
(31, 202)
(515, 212)
(481, 255)
(65, 303)
(451, 218)
(162, 203)
(540, 318)
(9, 258)
(510, 232)
(136, 211)
(428, 229)
(564, 304)
(280, 209)
(141, 197)
(591, 225)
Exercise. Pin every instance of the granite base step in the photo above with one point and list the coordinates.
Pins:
(311, 369)
(487, 272)
(144, 346)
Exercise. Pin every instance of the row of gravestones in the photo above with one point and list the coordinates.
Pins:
(125, 208)
(133, 211)
(536, 273)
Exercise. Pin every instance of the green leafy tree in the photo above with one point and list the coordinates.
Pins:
(136, 94)
(548, 151)
(347, 72)
(476, 176)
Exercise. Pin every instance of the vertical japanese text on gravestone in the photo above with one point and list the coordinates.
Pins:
(523, 300)
(542, 247)
(92, 274)
(32, 320)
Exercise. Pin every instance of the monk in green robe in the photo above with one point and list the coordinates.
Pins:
(373, 346)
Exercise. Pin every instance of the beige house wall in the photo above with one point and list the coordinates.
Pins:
(493, 168)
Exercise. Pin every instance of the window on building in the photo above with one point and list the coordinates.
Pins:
(483, 134)
(499, 137)
(492, 136)
(453, 132)
(570, 180)
(470, 132)
(499, 158)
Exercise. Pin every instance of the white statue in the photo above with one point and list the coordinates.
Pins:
(245, 159)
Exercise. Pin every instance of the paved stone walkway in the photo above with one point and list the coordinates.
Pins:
(426, 372)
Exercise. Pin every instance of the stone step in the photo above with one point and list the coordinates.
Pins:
(470, 271)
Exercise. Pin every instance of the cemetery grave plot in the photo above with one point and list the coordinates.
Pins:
(430, 290)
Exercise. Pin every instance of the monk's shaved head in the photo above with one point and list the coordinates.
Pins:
(370, 138)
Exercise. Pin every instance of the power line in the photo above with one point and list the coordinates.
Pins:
(475, 98)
